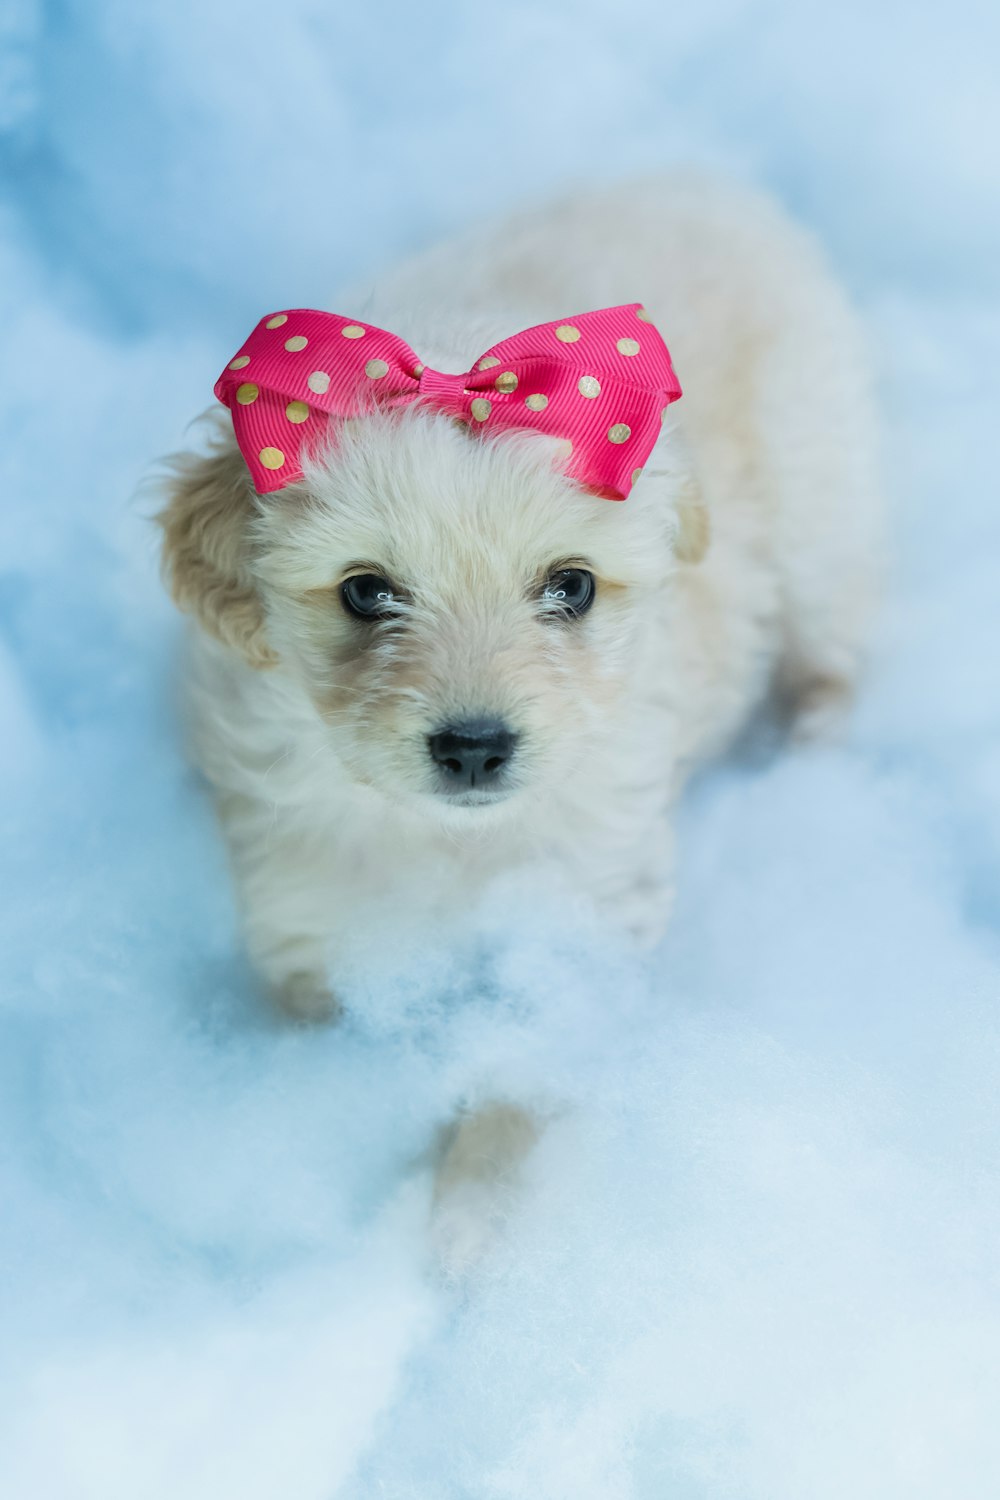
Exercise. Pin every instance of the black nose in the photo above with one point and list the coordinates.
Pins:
(472, 754)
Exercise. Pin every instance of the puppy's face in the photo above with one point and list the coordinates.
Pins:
(463, 618)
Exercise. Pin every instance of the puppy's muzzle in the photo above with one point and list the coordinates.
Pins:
(472, 756)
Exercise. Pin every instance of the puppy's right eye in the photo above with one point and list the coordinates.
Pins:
(368, 596)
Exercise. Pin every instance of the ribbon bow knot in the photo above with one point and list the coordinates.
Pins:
(444, 391)
(600, 382)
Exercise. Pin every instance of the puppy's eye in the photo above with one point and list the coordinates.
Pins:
(369, 596)
(569, 591)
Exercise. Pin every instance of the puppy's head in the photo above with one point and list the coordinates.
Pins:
(462, 617)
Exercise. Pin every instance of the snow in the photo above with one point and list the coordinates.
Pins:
(755, 1257)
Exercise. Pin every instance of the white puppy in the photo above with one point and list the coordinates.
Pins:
(340, 746)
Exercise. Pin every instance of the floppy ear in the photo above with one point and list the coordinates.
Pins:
(206, 547)
(694, 526)
(692, 531)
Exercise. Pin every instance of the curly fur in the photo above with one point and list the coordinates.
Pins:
(747, 556)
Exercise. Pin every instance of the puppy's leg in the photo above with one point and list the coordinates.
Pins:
(627, 854)
(826, 633)
(476, 1181)
(816, 704)
(287, 893)
(642, 907)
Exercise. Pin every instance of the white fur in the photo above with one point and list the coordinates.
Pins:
(316, 745)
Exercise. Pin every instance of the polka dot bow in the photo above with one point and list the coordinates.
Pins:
(600, 382)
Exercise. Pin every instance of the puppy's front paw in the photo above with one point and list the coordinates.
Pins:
(819, 712)
(644, 914)
(477, 1182)
(306, 997)
(464, 1225)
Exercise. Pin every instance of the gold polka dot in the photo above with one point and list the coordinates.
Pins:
(589, 386)
(564, 448)
(619, 433)
(635, 475)
(272, 458)
(245, 394)
(319, 381)
(536, 403)
(418, 370)
(506, 382)
(644, 316)
(627, 346)
(240, 362)
(488, 362)
(376, 368)
(481, 408)
(296, 411)
(277, 320)
(296, 342)
(352, 331)
(567, 334)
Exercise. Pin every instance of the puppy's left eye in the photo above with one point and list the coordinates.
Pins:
(569, 591)
(368, 596)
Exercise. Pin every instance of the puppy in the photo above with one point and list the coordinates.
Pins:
(438, 654)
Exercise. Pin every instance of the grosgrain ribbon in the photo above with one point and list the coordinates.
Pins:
(599, 381)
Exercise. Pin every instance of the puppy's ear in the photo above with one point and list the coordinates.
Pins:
(694, 526)
(206, 547)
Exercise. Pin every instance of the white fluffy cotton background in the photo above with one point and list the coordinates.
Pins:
(756, 1253)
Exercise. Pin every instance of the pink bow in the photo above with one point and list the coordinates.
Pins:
(600, 382)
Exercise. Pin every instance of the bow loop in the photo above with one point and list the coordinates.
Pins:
(599, 381)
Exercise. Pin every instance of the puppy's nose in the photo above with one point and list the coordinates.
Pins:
(472, 754)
